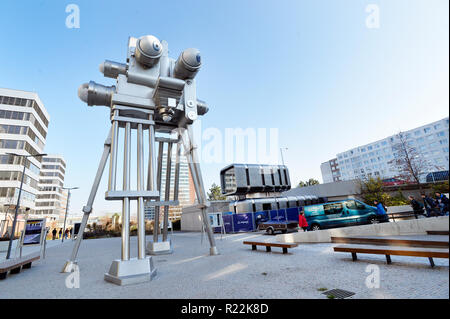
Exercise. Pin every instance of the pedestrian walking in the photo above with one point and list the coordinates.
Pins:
(302, 222)
(416, 206)
(443, 203)
(66, 233)
(54, 234)
(60, 233)
(429, 205)
(381, 209)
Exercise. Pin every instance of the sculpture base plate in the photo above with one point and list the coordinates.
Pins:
(129, 272)
(159, 248)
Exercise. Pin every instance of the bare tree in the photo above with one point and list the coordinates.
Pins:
(408, 161)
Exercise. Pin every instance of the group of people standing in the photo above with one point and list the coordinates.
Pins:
(57, 234)
(438, 206)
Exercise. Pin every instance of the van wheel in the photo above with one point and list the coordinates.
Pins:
(270, 231)
(373, 220)
(315, 227)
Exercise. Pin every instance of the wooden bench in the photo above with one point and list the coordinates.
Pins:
(393, 250)
(15, 265)
(437, 232)
(269, 246)
(408, 241)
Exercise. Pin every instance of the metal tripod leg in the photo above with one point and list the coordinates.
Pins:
(158, 188)
(196, 174)
(167, 190)
(68, 266)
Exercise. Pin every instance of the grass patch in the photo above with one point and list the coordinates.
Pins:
(322, 289)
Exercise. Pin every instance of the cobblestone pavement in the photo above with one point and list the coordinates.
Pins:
(238, 272)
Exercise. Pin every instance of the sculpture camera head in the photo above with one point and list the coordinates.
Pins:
(148, 50)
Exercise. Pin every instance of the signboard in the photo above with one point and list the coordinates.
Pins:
(242, 222)
(33, 231)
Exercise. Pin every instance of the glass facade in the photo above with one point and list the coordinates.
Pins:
(23, 130)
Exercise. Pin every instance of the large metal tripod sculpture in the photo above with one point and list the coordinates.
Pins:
(157, 94)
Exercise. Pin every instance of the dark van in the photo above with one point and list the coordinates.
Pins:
(349, 212)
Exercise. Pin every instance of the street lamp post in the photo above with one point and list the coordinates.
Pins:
(281, 151)
(13, 230)
(67, 207)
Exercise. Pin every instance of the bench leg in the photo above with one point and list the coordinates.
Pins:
(284, 250)
(431, 261)
(388, 259)
(268, 248)
(354, 256)
(253, 247)
(27, 266)
(3, 275)
(15, 270)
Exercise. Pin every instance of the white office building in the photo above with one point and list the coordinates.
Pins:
(23, 130)
(52, 198)
(431, 141)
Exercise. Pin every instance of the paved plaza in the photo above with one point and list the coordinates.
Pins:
(238, 272)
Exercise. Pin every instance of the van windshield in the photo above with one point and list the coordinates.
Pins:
(334, 208)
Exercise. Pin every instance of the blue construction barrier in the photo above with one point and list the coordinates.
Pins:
(247, 222)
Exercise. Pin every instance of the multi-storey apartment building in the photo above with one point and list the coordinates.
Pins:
(23, 130)
(51, 199)
(330, 171)
(430, 141)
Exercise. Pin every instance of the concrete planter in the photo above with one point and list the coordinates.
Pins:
(4, 245)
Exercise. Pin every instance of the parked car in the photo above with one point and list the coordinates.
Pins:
(393, 182)
(282, 226)
(342, 213)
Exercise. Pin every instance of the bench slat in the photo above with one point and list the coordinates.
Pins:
(390, 250)
(386, 241)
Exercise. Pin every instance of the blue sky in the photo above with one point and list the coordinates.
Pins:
(312, 69)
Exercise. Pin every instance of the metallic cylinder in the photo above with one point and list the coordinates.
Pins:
(126, 200)
(158, 187)
(176, 187)
(112, 69)
(113, 156)
(167, 190)
(151, 176)
(140, 186)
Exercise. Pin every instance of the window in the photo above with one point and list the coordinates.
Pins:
(427, 129)
(370, 148)
(351, 204)
(429, 137)
(440, 134)
(437, 126)
(335, 208)
(384, 143)
(416, 133)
